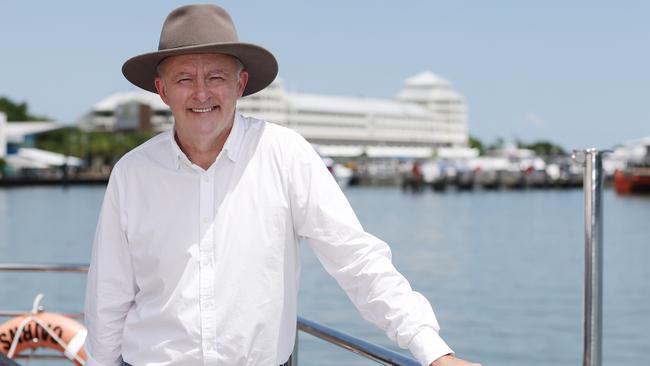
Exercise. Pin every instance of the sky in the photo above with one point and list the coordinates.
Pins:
(573, 72)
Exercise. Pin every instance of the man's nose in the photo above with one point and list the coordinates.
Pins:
(201, 91)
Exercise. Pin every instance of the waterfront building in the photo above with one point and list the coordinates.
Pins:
(632, 152)
(133, 110)
(17, 145)
(14, 135)
(426, 114)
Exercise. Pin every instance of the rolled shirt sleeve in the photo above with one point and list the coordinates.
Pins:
(110, 287)
(360, 262)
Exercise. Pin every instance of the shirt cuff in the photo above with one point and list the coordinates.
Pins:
(90, 361)
(427, 346)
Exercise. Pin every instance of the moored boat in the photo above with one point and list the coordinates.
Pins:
(635, 177)
(632, 180)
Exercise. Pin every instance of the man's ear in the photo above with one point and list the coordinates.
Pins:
(160, 87)
(243, 80)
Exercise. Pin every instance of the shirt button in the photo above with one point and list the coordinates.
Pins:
(205, 220)
(206, 178)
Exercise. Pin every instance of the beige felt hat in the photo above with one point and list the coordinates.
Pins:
(202, 28)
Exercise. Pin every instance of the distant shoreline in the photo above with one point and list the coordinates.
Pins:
(54, 181)
(57, 181)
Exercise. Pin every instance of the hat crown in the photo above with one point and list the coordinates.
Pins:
(196, 29)
(197, 25)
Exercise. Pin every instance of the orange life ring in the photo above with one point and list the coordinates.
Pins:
(44, 330)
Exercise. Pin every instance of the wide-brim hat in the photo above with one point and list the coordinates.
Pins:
(202, 29)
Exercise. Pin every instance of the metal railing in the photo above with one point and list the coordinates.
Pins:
(592, 161)
(380, 355)
(37, 267)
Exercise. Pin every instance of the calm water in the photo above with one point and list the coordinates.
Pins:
(503, 270)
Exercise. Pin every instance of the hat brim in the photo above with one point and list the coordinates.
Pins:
(261, 65)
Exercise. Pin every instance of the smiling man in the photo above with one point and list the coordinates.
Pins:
(196, 255)
(202, 92)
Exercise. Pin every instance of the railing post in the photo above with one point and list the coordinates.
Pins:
(592, 160)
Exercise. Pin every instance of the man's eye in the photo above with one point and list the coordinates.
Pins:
(184, 80)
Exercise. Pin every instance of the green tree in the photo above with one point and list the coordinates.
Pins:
(544, 148)
(475, 143)
(107, 146)
(17, 112)
(499, 143)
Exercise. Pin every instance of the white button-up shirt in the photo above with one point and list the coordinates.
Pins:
(200, 267)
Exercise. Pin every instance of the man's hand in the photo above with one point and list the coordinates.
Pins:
(450, 360)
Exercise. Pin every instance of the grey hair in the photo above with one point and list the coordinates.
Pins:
(239, 68)
(159, 67)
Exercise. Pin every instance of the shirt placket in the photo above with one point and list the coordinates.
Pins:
(206, 267)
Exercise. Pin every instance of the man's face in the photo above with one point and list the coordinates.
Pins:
(202, 91)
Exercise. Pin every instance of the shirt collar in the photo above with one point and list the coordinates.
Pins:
(232, 147)
(236, 138)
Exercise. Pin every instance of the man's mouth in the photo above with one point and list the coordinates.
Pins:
(203, 110)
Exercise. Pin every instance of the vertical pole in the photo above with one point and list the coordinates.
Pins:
(3, 137)
(592, 185)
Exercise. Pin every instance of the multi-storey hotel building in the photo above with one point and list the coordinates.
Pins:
(427, 113)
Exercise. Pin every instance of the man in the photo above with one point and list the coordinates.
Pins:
(195, 260)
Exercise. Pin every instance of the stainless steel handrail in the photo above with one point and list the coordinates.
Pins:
(41, 357)
(381, 355)
(43, 267)
(369, 350)
(592, 161)
(15, 313)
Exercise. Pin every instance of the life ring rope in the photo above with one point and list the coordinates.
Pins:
(35, 308)
(71, 350)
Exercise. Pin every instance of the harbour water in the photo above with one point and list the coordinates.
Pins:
(503, 269)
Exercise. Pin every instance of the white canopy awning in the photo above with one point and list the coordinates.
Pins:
(352, 151)
(16, 131)
(18, 162)
(340, 150)
(46, 158)
(457, 152)
(409, 152)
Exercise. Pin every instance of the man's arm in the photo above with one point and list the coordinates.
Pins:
(360, 263)
(110, 286)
